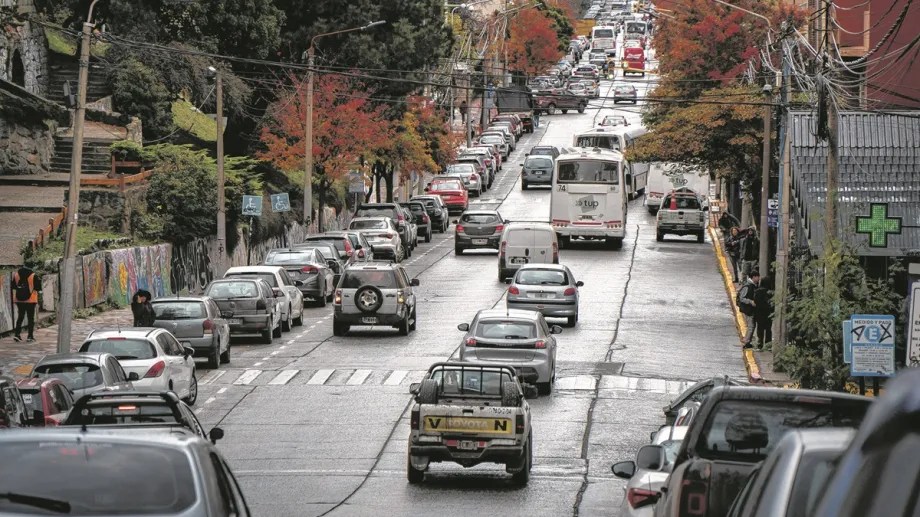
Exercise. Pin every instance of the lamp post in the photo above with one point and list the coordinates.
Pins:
(221, 197)
(308, 137)
(69, 269)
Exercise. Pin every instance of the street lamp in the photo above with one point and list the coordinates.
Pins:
(308, 176)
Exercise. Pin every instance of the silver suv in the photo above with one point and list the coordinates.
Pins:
(375, 293)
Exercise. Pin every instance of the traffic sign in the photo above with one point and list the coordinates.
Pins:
(772, 213)
(913, 327)
(252, 206)
(281, 202)
(872, 347)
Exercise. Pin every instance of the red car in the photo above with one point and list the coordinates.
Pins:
(47, 401)
(451, 191)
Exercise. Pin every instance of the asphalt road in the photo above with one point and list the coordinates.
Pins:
(317, 424)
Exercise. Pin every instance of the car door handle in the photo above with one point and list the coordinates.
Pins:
(526, 252)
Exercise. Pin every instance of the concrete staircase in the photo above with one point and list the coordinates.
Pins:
(62, 69)
(97, 158)
(27, 203)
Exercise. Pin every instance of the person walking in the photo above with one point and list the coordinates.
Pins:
(748, 305)
(142, 309)
(26, 286)
(763, 312)
(463, 111)
(733, 249)
(750, 252)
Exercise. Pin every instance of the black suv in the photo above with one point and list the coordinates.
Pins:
(437, 211)
(421, 218)
(394, 212)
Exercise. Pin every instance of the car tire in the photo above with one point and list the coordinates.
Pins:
(267, 336)
(403, 326)
(277, 331)
(414, 475)
(659, 236)
(322, 300)
(298, 321)
(545, 388)
(571, 321)
(502, 275)
(287, 323)
(428, 236)
(338, 329)
(458, 250)
(551, 109)
(370, 308)
(214, 356)
(564, 111)
(700, 237)
(523, 477)
(510, 395)
(614, 243)
(582, 108)
(225, 356)
(414, 324)
(427, 392)
(192, 390)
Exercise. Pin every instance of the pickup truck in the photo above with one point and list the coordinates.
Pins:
(561, 99)
(470, 413)
(681, 213)
(735, 428)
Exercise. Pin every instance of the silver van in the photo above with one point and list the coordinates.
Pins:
(526, 243)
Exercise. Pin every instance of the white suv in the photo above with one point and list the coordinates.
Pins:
(375, 293)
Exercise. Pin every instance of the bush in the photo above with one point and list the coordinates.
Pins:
(137, 90)
(127, 150)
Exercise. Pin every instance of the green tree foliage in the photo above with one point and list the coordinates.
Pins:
(831, 287)
(560, 16)
(138, 91)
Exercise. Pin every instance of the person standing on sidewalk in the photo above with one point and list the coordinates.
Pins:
(748, 305)
(463, 111)
(763, 312)
(26, 287)
(733, 249)
(750, 252)
(142, 309)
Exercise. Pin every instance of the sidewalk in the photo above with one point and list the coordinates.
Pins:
(759, 365)
(16, 359)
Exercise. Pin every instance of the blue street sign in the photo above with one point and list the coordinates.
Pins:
(252, 206)
(872, 349)
(281, 202)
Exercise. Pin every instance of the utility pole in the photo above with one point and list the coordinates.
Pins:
(69, 271)
(833, 156)
(221, 200)
(764, 258)
(469, 110)
(308, 141)
(783, 232)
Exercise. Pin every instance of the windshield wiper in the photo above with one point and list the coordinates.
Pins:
(45, 503)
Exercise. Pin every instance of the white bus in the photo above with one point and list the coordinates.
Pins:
(664, 177)
(603, 37)
(619, 138)
(588, 199)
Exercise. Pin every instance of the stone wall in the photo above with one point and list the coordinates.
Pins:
(23, 47)
(25, 149)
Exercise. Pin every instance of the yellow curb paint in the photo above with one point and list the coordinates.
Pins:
(25, 369)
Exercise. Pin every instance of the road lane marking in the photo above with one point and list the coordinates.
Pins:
(275, 352)
(222, 390)
(320, 377)
(290, 342)
(578, 382)
(211, 376)
(258, 364)
(210, 399)
(395, 378)
(247, 377)
(284, 377)
(358, 377)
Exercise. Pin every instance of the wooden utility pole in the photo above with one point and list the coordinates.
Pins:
(833, 155)
(308, 141)
(783, 232)
(221, 198)
(764, 258)
(469, 110)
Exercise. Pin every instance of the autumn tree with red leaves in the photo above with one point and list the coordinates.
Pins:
(534, 43)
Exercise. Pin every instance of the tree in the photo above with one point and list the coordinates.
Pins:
(534, 44)
(138, 91)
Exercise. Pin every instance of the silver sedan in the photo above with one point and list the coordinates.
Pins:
(550, 289)
(521, 339)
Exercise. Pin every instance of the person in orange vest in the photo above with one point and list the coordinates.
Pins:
(25, 291)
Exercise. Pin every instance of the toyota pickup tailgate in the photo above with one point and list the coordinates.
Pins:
(461, 421)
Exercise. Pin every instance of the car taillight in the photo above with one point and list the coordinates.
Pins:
(474, 177)
(501, 250)
(693, 498)
(400, 297)
(361, 254)
(459, 228)
(156, 370)
(514, 290)
(310, 269)
(415, 419)
(569, 292)
(388, 235)
(338, 297)
(470, 341)
(555, 253)
(639, 497)
(425, 218)
(207, 326)
(348, 249)
(540, 344)
(500, 228)
(519, 424)
(400, 217)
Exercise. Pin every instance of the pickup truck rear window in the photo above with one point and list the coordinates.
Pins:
(749, 430)
(470, 382)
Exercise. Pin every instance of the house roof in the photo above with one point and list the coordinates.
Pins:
(879, 164)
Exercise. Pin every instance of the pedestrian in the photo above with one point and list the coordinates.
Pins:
(747, 305)
(463, 111)
(733, 249)
(763, 312)
(26, 286)
(727, 221)
(536, 119)
(750, 252)
(142, 309)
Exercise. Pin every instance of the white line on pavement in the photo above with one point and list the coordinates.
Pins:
(282, 347)
(247, 377)
(284, 377)
(320, 377)
(258, 364)
(275, 352)
(211, 376)
(222, 390)
(290, 342)
(211, 399)
(395, 378)
(358, 377)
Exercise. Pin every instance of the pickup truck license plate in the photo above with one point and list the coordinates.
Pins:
(480, 241)
(468, 445)
(370, 320)
(234, 321)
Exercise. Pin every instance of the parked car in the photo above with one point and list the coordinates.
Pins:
(375, 293)
(789, 482)
(625, 93)
(466, 172)
(333, 260)
(478, 229)
(496, 139)
(283, 287)
(196, 322)
(544, 150)
(413, 228)
(394, 212)
(309, 267)
(420, 217)
(536, 170)
(249, 305)
(590, 71)
(649, 472)
(382, 235)
(515, 120)
(494, 152)
(346, 249)
(695, 395)
(550, 289)
(437, 211)
(451, 191)
(155, 355)
(486, 156)
(102, 473)
(85, 373)
(13, 410)
(361, 250)
(507, 127)
(46, 401)
(613, 120)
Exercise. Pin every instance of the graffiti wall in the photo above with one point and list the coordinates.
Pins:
(191, 266)
(94, 279)
(131, 269)
(6, 302)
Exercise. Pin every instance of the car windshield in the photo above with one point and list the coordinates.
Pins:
(327, 248)
(541, 277)
(439, 186)
(588, 171)
(416, 208)
(268, 277)
(505, 329)
(376, 212)
(544, 151)
(336, 242)
(603, 33)
(470, 381)
(539, 162)
(601, 141)
(384, 279)
(492, 139)
(749, 430)
(369, 224)
(224, 290)
(74, 375)
(480, 218)
(625, 89)
(122, 349)
(179, 310)
(98, 478)
(813, 474)
(280, 258)
(126, 413)
(464, 168)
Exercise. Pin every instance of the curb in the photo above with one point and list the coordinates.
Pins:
(750, 364)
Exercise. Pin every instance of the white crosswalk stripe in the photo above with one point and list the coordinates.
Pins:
(320, 377)
(284, 377)
(395, 378)
(247, 377)
(358, 377)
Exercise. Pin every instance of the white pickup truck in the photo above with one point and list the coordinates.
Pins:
(681, 213)
(470, 413)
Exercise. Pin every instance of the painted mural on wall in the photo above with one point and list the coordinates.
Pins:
(131, 269)
(6, 302)
(94, 279)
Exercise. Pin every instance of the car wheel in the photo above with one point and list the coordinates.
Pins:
(700, 237)
(582, 108)
(414, 475)
(428, 236)
(277, 331)
(523, 477)
(458, 250)
(564, 111)
(545, 388)
(192, 390)
(524, 185)
(368, 298)
(403, 326)
(214, 356)
(225, 357)
(414, 324)
(267, 336)
(571, 320)
(286, 324)
(551, 109)
(321, 301)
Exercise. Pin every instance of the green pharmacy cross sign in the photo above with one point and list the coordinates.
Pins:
(878, 225)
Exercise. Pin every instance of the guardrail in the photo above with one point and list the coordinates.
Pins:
(45, 233)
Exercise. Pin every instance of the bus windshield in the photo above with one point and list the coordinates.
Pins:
(635, 28)
(588, 171)
(602, 141)
(602, 33)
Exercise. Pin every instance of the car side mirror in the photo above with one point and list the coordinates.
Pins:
(189, 351)
(579, 284)
(298, 283)
(531, 392)
(133, 376)
(624, 469)
(555, 329)
(413, 388)
(465, 327)
(276, 291)
(215, 434)
(414, 282)
(506, 221)
(650, 457)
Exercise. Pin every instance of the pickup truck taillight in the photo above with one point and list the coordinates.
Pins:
(519, 424)
(639, 497)
(693, 498)
(501, 251)
(414, 419)
(207, 327)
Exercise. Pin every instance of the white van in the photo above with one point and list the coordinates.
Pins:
(663, 177)
(526, 243)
